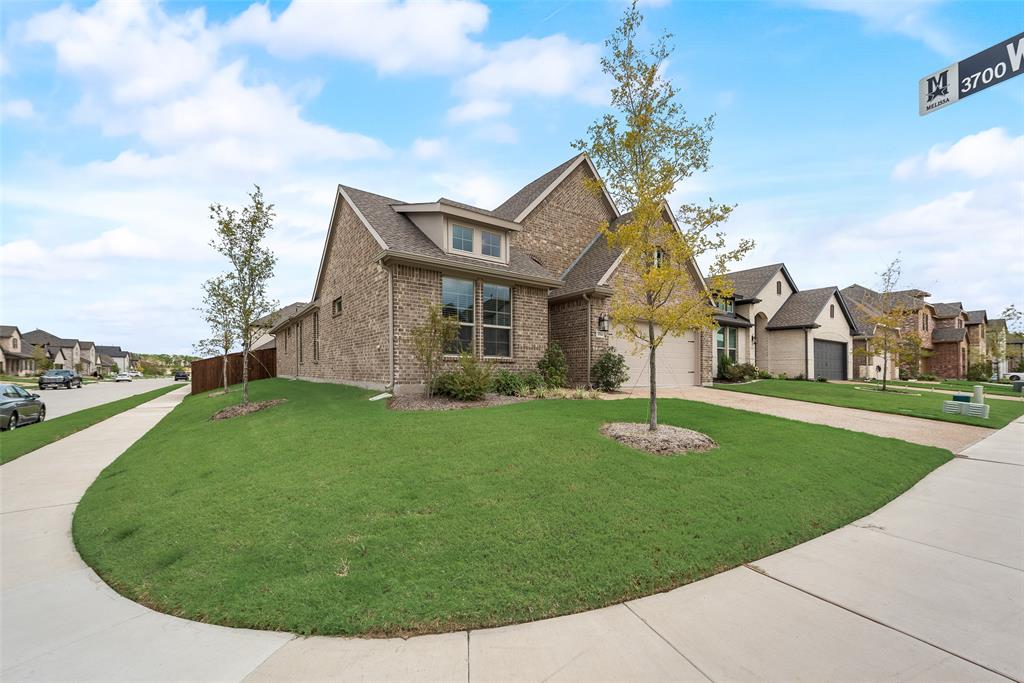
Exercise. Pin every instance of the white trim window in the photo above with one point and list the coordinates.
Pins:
(497, 321)
(490, 244)
(725, 339)
(462, 239)
(457, 301)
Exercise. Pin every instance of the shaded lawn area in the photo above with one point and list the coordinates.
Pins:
(927, 405)
(331, 514)
(28, 438)
(963, 385)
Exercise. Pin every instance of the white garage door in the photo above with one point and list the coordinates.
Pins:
(676, 361)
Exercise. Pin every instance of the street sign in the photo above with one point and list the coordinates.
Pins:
(968, 76)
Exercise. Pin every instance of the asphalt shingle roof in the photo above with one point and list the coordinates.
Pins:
(402, 235)
(951, 310)
(8, 330)
(280, 314)
(517, 203)
(942, 335)
(592, 264)
(43, 337)
(864, 304)
(802, 308)
(747, 283)
(976, 317)
(111, 351)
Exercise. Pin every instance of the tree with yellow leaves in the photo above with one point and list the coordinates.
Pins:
(644, 149)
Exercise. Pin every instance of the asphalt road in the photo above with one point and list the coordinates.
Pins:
(63, 401)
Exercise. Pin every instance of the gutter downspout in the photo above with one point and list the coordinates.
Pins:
(391, 330)
(586, 297)
(807, 358)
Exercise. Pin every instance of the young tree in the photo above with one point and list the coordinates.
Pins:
(430, 340)
(43, 362)
(644, 149)
(887, 319)
(217, 309)
(1014, 318)
(240, 238)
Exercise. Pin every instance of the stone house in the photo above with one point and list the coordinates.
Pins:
(532, 270)
(63, 353)
(866, 305)
(15, 354)
(122, 360)
(777, 327)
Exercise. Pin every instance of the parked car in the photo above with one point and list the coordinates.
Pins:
(1014, 376)
(60, 378)
(181, 375)
(123, 377)
(134, 373)
(18, 407)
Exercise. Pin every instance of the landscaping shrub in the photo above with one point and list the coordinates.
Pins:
(508, 383)
(822, 379)
(979, 372)
(531, 380)
(782, 375)
(927, 377)
(469, 382)
(609, 372)
(738, 372)
(764, 374)
(724, 363)
(552, 367)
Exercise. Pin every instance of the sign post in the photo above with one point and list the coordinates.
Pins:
(998, 63)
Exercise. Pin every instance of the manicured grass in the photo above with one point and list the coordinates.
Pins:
(331, 514)
(957, 385)
(28, 438)
(927, 405)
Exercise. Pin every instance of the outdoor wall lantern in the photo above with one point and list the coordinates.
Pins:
(602, 323)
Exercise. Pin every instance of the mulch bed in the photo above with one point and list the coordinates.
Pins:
(420, 402)
(666, 440)
(239, 410)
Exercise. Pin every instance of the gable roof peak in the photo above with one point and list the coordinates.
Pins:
(523, 202)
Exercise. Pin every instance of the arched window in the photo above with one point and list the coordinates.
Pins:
(778, 287)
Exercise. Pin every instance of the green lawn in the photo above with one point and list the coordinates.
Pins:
(927, 405)
(28, 438)
(957, 385)
(331, 514)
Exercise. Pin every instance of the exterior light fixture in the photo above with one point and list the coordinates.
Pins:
(602, 323)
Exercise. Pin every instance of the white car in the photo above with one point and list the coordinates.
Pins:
(1014, 376)
(134, 373)
(123, 377)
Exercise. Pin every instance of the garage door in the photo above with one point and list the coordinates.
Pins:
(676, 360)
(829, 359)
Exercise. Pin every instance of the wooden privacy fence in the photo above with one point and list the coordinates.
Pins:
(208, 373)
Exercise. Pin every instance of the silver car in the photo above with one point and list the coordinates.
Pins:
(18, 407)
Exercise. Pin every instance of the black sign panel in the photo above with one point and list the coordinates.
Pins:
(983, 70)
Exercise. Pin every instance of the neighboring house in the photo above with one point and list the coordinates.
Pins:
(996, 334)
(533, 270)
(15, 354)
(122, 360)
(949, 341)
(977, 336)
(867, 306)
(63, 353)
(88, 356)
(105, 364)
(769, 322)
(1014, 352)
(263, 338)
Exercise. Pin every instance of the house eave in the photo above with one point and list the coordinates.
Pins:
(457, 212)
(391, 256)
(591, 291)
(301, 313)
(813, 326)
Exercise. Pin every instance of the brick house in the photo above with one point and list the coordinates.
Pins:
(866, 305)
(772, 324)
(15, 354)
(950, 346)
(533, 270)
(977, 336)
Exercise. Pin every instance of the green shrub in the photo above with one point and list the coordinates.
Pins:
(764, 374)
(609, 372)
(469, 382)
(552, 367)
(738, 372)
(927, 377)
(822, 379)
(782, 375)
(532, 381)
(724, 363)
(508, 383)
(979, 372)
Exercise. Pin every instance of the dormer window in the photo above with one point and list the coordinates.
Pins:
(490, 243)
(462, 239)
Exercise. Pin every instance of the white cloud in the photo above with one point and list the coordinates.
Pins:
(477, 189)
(16, 109)
(497, 131)
(989, 153)
(477, 110)
(554, 66)
(911, 18)
(426, 148)
(393, 36)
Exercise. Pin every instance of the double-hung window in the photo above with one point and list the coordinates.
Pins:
(316, 336)
(726, 338)
(457, 298)
(462, 239)
(490, 244)
(497, 321)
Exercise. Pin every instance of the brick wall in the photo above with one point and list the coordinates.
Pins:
(353, 346)
(947, 360)
(570, 330)
(558, 230)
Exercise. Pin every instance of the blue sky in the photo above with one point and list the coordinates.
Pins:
(121, 123)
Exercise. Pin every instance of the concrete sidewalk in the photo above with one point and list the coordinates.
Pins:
(953, 437)
(930, 587)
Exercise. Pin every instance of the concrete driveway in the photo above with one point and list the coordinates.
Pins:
(953, 437)
(930, 587)
(64, 401)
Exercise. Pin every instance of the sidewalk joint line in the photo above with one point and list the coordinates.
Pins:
(41, 507)
(468, 674)
(669, 643)
(997, 462)
(882, 530)
(74, 641)
(762, 572)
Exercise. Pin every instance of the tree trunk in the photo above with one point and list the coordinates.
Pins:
(224, 370)
(652, 420)
(885, 368)
(245, 373)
